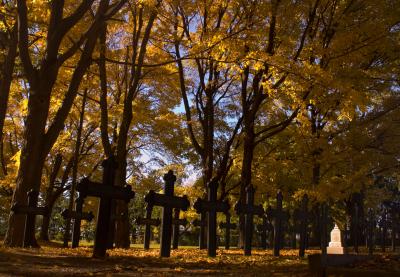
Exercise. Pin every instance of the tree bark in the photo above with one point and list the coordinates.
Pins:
(122, 238)
(37, 142)
(5, 83)
(75, 169)
(44, 230)
(51, 198)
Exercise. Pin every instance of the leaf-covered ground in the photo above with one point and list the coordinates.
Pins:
(51, 260)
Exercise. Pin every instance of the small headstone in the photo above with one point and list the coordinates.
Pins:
(335, 245)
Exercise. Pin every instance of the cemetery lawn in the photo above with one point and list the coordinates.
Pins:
(51, 259)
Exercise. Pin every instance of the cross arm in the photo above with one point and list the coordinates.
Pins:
(156, 199)
(89, 188)
(76, 215)
(246, 209)
(205, 206)
(21, 209)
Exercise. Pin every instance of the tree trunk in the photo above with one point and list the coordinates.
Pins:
(75, 169)
(245, 180)
(37, 142)
(122, 227)
(5, 84)
(44, 230)
(31, 164)
(121, 237)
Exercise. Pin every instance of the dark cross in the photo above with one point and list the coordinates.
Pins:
(119, 217)
(395, 227)
(177, 223)
(202, 223)
(198, 223)
(30, 211)
(263, 228)
(249, 210)
(279, 216)
(370, 231)
(106, 191)
(227, 225)
(76, 231)
(293, 230)
(148, 222)
(77, 216)
(383, 224)
(211, 207)
(324, 228)
(356, 201)
(345, 234)
(394, 209)
(168, 201)
(302, 217)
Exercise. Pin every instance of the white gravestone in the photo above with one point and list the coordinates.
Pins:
(335, 245)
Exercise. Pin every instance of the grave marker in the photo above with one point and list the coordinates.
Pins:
(202, 224)
(106, 191)
(177, 222)
(324, 226)
(302, 216)
(264, 228)
(355, 223)
(335, 245)
(167, 201)
(370, 231)
(279, 216)
(31, 211)
(77, 216)
(394, 211)
(211, 206)
(148, 222)
(249, 210)
(227, 225)
(383, 224)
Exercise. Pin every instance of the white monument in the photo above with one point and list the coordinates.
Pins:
(335, 245)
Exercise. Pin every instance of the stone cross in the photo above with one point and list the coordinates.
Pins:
(202, 223)
(177, 222)
(371, 223)
(227, 225)
(394, 212)
(302, 216)
(106, 191)
(279, 217)
(78, 215)
(249, 210)
(356, 219)
(76, 231)
(384, 227)
(148, 222)
(168, 202)
(211, 206)
(31, 210)
(263, 228)
(335, 245)
(324, 226)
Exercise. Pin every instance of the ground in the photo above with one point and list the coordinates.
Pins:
(51, 259)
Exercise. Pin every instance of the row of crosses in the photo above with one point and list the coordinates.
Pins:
(171, 207)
